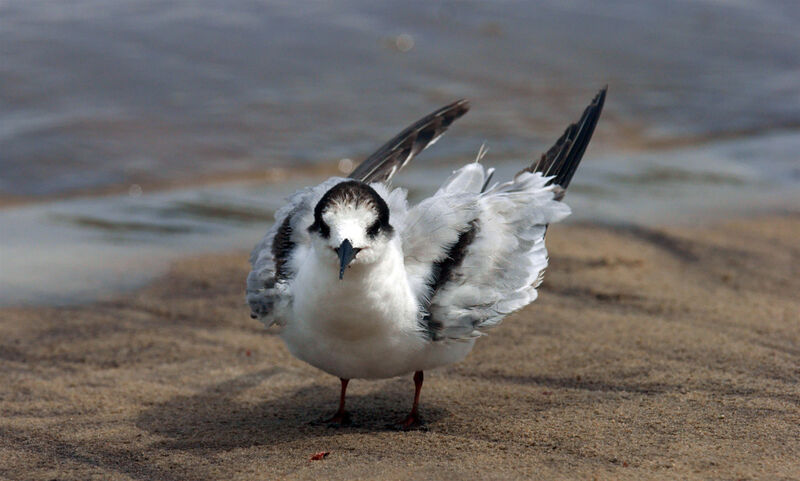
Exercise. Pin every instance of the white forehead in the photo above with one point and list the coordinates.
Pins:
(339, 215)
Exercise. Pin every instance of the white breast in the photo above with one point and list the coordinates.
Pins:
(363, 326)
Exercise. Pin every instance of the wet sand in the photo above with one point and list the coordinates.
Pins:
(667, 353)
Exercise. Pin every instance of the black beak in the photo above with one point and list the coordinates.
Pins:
(346, 254)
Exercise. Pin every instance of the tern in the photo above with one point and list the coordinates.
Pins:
(365, 286)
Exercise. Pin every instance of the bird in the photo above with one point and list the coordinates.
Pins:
(364, 285)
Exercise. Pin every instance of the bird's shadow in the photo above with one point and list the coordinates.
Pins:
(215, 419)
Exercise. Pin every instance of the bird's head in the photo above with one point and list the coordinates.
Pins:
(351, 225)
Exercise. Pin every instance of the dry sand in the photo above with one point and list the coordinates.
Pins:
(650, 354)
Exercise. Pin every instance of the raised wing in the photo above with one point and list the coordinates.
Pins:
(395, 154)
(273, 260)
(562, 159)
(475, 255)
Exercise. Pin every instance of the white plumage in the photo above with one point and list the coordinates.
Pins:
(369, 324)
(424, 281)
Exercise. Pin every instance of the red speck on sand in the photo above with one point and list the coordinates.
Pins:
(319, 456)
(247, 353)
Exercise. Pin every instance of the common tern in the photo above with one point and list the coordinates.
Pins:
(363, 285)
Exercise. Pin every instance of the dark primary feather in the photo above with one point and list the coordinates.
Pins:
(395, 154)
(282, 247)
(442, 272)
(563, 158)
(490, 174)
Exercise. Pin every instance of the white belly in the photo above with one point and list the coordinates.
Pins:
(364, 326)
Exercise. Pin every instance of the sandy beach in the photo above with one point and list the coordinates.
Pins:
(668, 353)
(146, 146)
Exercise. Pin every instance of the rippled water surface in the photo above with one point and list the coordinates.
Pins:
(702, 118)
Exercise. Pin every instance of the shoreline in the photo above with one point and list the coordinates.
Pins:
(650, 353)
(632, 142)
(267, 175)
(109, 287)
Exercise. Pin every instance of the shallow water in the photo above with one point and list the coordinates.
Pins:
(702, 118)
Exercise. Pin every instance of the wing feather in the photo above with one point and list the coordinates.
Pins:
(396, 153)
(561, 160)
(486, 254)
(273, 260)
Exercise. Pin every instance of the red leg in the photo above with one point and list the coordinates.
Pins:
(413, 420)
(342, 417)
